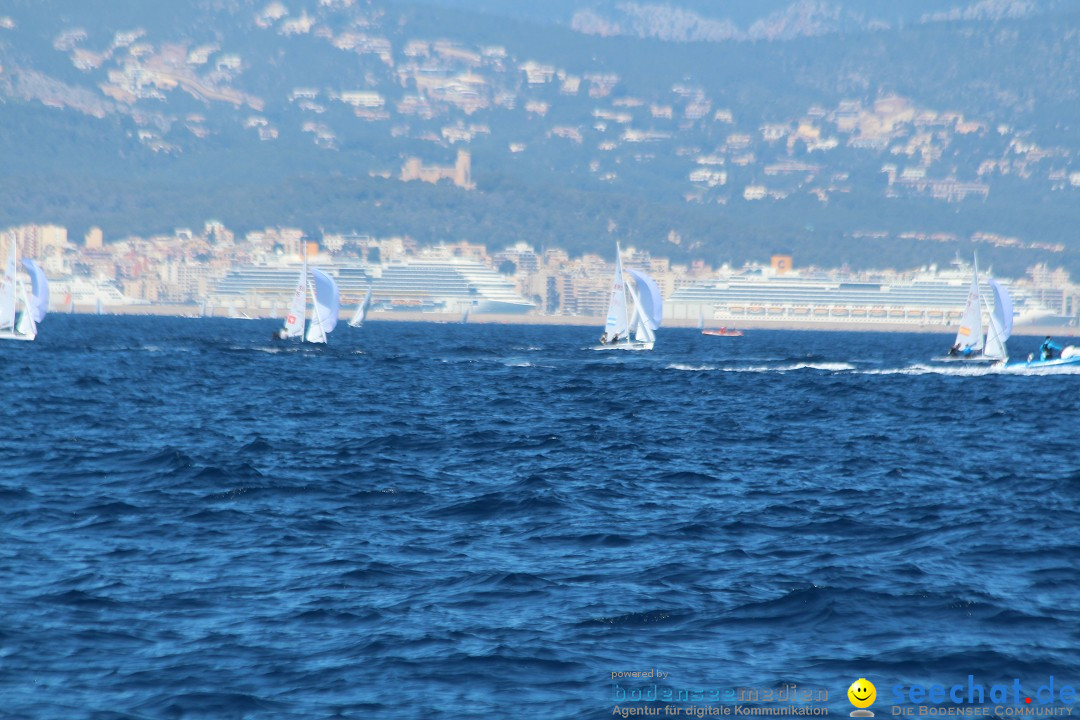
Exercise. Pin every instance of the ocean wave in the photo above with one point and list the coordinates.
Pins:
(424, 531)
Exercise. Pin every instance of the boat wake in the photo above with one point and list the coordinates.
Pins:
(827, 366)
(787, 367)
(953, 369)
(791, 367)
(1053, 370)
(526, 363)
(975, 370)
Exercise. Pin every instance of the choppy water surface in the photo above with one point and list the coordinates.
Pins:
(427, 520)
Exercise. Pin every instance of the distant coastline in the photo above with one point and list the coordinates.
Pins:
(192, 311)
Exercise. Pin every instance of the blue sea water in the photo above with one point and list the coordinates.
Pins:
(444, 521)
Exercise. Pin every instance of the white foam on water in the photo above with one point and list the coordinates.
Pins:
(823, 366)
(924, 369)
(526, 363)
(271, 350)
(1058, 370)
(691, 368)
(829, 366)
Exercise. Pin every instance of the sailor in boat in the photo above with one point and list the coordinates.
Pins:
(603, 338)
(615, 338)
(957, 351)
(1049, 349)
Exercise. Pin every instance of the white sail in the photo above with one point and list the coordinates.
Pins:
(1000, 326)
(1003, 309)
(700, 319)
(465, 316)
(638, 323)
(7, 289)
(617, 322)
(315, 332)
(294, 317)
(99, 308)
(651, 304)
(995, 343)
(970, 333)
(361, 311)
(648, 306)
(40, 285)
(69, 302)
(324, 316)
(27, 327)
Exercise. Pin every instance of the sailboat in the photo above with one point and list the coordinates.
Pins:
(69, 303)
(361, 310)
(643, 296)
(971, 342)
(16, 325)
(324, 315)
(99, 308)
(969, 336)
(465, 315)
(971, 345)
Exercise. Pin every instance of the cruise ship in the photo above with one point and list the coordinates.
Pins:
(439, 285)
(87, 292)
(270, 286)
(764, 294)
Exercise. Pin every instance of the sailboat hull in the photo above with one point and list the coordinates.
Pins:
(626, 346)
(10, 335)
(973, 359)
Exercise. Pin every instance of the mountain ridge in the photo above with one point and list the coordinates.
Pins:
(204, 99)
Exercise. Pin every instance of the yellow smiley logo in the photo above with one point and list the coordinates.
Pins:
(862, 693)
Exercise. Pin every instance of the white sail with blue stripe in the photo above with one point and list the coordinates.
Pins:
(15, 325)
(40, 289)
(327, 303)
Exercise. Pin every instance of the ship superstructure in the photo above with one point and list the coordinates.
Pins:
(927, 297)
(444, 285)
(87, 292)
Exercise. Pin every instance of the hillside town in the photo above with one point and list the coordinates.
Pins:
(445, 94)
